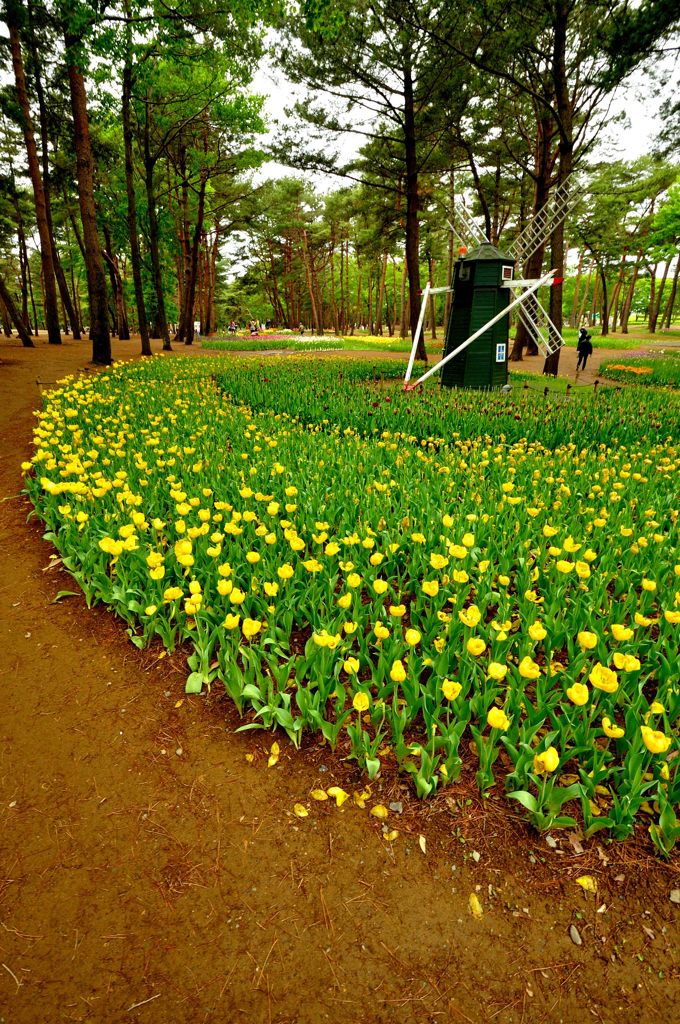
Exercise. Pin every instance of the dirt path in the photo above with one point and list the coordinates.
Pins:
(149, 872)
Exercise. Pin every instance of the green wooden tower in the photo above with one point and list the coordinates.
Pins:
(478, 296)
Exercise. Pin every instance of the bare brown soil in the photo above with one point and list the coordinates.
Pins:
(149, 872)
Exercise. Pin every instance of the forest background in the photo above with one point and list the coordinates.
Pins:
(133, 199)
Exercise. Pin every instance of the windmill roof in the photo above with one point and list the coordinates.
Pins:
(487, 251)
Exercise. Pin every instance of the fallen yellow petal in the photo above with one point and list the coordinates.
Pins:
(475, 906)
(380, 811)
(588, 883)
(274, 756)
(339, 794)
(250, 758)
(179, 703)
(390, 836)
(319, 794)
(422, 843)
(361, 798)
(301, 811)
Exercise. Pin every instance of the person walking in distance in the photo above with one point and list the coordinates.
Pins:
(584, 348)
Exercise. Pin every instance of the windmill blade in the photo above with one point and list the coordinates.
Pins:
(539, 325)
(539, 229)
(465, 228)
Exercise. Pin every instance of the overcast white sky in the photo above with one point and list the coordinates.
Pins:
(619, 142)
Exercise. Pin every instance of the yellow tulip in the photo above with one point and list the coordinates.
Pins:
(612, 730)
(655, 741)
(587, 641)
(497, 671)
(470, 616)
(475, 646)
(360, 702)
(604, 678)
(412, 637)
(578, 694)
(251, 627)
(398, 672)
(498, 719)
(451, 689)
(528, 668)
(547, 761)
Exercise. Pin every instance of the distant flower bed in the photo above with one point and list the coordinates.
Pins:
(269, 343)
(660, 369)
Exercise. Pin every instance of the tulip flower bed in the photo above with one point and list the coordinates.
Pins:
(423, 579)
(267, 343)
(657, 371)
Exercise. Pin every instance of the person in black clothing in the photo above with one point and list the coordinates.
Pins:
(584, 349)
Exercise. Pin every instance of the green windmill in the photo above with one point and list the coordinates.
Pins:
(485, 290)
(479, 296)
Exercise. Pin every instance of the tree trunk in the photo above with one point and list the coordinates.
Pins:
(380, 303)
(412, 206)
(96, 279)
(369, 304)
(552, 361)
(616, 294)
(533, 266)
(357, 315)
(594, 303)
(161, 320)
(431, 265)
(14, 314)
(402, 311)
(582, 308)
(193, 263)
(565, 111)
(23, 262)
(46, 257)
(628, 302)
(481, 195)
(6, 319)
(306, 259)
(32, 296)
(668, 312)
(334, 305)
(604, 309)
(42, 107)
(577, 288)
(656, 306)
(135, 254)
(113, 281)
